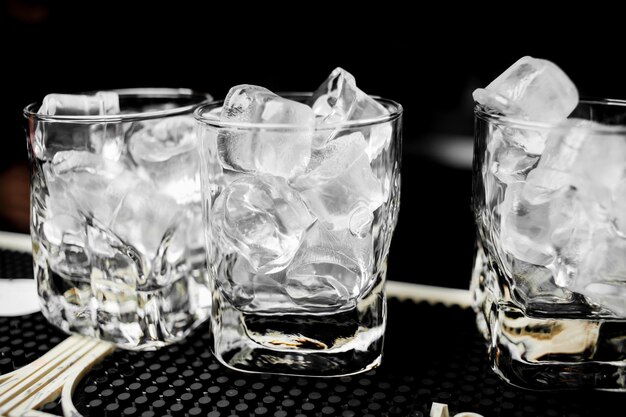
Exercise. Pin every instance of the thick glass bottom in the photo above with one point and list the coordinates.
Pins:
(330, 344)
(132, 318)
(534, 351)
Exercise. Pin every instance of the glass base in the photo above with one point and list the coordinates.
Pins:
(545, 353)
(127, 316)
(325, 345)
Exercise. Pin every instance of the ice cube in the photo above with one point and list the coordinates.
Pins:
(571, 248)
(554, 169)
(602, 274)
(101, 103)
(361, 220)
(75, 162)
(248, 290)
(601, 165)
(330, 268)
(82, 182)
(102, 138)
(535, 283)
(115, 263)
(618, 212)
(531, 141)
(167, 149)
(236, 280)
(339, 180)
(263, 219)
(107, 139)
(339, 100)
(116, 271)
(508, 161)
(533, 232)
(580, 154)
(68, 253)
(115, 197)
(525, 228)
(160, 140)
(277, 151)
(532, 89)
(143, 217)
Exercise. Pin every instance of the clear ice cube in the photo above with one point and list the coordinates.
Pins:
(115, 263)
(601, 166)
(248, 290)
(107, 139)
(571, 247)
(533, 142)
(330, 269)
(116, 198)
(166, 149)
(509, 162)
(524, 230)
(619, 208)
(143, 217)
(339, 100)
(101, 103)
(82, 182)
(67, 254)
(339, 180)
(554, 169)
(532, 89)
(102, 138)
(602, 273)
(281, 152)
(580, 154)
(361, 222)
(532, 232)
(262, 219)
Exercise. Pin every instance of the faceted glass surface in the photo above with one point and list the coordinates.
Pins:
(117, 221)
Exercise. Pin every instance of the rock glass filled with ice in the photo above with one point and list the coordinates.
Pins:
(301, 197)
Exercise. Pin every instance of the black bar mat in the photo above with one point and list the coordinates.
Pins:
(432, 353)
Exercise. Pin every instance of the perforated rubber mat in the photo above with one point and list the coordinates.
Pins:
(432, 353)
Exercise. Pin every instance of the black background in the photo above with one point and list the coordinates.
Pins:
(428, 57)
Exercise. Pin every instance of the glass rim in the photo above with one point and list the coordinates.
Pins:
(482, 114)
(201, 115)
(148, 92)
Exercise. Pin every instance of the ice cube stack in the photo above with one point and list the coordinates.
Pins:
(293, 220)
(564, 207)
(117, 234)
(131, 182)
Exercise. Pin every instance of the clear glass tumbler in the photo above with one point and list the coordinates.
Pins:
(549, 281)
(116, 216)
(298, 262)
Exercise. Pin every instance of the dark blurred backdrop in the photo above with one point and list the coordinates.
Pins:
(427, 58)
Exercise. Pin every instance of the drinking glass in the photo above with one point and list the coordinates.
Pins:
(549, 281)
(298, 258)
(118, 251)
